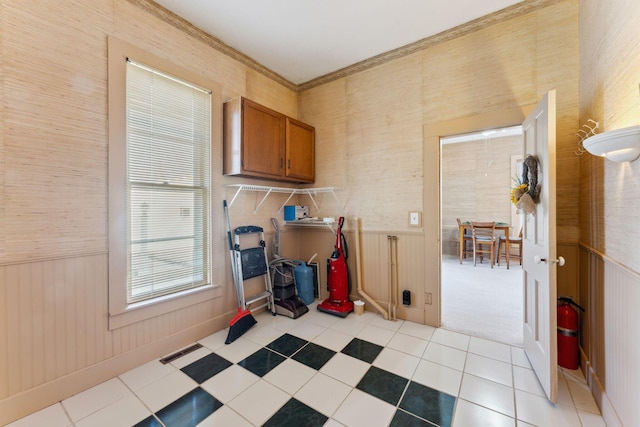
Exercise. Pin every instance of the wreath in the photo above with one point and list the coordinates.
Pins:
(526, 194)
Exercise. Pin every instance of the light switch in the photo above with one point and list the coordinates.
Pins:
(415, 219)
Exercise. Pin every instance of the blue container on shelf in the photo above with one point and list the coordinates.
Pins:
(289, 213)
(304, 281)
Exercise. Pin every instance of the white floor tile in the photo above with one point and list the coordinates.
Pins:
(323, 393)
(215, 341)
(489, 369)
(51, 416)
(408, 344)
(349, 325)
(259, 402)
(332, 339)
(386, 324)
(189, 358)
(229, 383)
(526, 380)
(238, 350)
(346, 369)
(162, 392)
(491, 349)
(262, 336)
(438, 377)
(375, 334)
(447, 356)
(144, 375)
(95, 398)
(290, 376)
(360, 409)
(396, 362)
(321, 319)
(539, 411)
(589, 419)
(451, 339)
(582, 397)
(487, 393)
(417, 330)
(225, 416)
(519, 357)
(469, 414)
(125, 412)
(307, 331)
(564, 395)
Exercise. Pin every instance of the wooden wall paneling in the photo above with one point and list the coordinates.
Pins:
(411, 276)
(621, 295)
(4, 332)
(14, 357)
(38, 331)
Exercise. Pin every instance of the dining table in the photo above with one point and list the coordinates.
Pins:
(466, 225)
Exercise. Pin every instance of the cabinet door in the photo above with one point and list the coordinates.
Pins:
(263, 133)
(300, 151)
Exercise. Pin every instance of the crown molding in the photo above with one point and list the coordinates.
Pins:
(180, 23)
(171, 18)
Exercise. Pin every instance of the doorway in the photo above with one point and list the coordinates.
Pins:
(477, 173)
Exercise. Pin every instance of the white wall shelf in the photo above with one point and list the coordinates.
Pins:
(311, 192)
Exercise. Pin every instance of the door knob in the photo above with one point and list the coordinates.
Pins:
(560, 261)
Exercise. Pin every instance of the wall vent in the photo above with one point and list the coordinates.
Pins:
(180, 353)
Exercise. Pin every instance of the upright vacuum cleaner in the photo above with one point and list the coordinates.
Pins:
(338, 278)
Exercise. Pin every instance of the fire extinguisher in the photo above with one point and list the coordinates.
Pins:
(568, 351)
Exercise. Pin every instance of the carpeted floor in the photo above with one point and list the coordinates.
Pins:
(482, 301)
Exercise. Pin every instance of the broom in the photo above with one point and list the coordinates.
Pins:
(243, 320)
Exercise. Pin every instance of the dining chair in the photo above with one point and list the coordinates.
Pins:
(466, 237)
(484, 240)
(507, 244)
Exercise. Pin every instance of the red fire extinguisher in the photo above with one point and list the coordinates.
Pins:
(568, 351)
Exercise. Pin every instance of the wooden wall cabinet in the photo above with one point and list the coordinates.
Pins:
(262, 143)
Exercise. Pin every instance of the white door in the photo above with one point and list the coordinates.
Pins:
(539, 249)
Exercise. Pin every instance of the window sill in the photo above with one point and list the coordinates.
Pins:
(138, 312)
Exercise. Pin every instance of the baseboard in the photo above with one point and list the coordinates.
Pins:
(597, 390)
(44, 395)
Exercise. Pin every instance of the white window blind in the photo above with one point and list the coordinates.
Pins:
(168, 191)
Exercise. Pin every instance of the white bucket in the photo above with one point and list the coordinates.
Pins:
(358, 307)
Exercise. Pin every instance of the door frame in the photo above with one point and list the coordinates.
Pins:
(432, 132)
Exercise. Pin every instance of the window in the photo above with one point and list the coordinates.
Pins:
(168, 140)
(160, 138)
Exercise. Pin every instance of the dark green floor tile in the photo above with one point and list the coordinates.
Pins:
(432, 405)
(362, 350)
(189, 410)
(262, 361)
(383, 385)
(313, 355)
(296, 414)
(287, 344)
(206, 367)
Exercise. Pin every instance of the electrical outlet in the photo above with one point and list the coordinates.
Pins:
(427, 298)
(415, 219)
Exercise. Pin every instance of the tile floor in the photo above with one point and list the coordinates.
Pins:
(324, 370)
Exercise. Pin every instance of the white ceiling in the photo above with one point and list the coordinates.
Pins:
(304, 39)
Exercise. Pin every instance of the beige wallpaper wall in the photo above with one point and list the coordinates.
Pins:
(53, 136)
(53, 197)
(370, 125)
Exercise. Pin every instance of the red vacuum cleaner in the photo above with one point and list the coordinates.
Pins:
(338, 278)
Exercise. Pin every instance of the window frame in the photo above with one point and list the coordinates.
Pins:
(121, 313)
